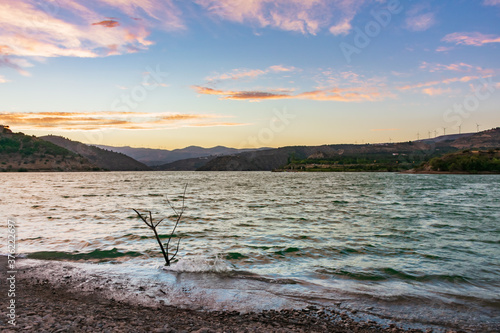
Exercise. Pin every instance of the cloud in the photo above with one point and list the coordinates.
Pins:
(306, 17)
(419, 18)
(491, 2)
(3, 79)
(462, 79)
(458, 67)
(74, 28)
(108, 120)
(436, 91)
(238, 74)
(471, 38)
(444, 48)
(108, 23)
(332, 94)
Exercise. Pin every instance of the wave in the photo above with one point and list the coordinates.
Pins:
(96, 254)
(199, 264)
(387, 273)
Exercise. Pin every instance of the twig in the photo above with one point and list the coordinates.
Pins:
(152, 225)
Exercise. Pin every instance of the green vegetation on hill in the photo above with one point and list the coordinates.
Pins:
(378, 160)
(467, 161)
(103, 158)
(20, 152)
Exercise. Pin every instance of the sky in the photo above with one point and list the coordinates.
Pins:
(249, 73)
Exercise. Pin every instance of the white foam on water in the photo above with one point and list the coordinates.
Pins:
(199, 264)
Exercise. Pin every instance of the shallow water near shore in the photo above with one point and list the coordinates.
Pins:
(412, 249)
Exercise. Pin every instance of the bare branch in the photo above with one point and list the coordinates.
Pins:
(177, 250)
(152, 225)
(143, 219)
(157, 223)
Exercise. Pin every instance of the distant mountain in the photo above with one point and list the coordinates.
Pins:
(20, 152)
(104, 159)
(156, 157)
(190, 164)
(368, 157)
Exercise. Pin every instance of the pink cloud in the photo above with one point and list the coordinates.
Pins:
(332, 94)
(434, 83)
(107, 23)
(74, 28)
(306, 17)
(471, 38)
(238, 74)
(457, 67)
(444, 48)
(491, 2)
(420, 22)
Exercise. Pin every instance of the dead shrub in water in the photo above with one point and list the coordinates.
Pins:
(148, 219)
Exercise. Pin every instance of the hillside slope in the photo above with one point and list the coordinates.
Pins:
(104, 159)
(20, 152)
(368, 157)
(467, 161)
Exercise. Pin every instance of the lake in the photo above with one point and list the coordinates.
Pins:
(411, 249)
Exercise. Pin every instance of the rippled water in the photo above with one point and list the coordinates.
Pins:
(396, 243)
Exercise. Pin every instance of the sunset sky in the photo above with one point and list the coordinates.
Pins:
(249, 73)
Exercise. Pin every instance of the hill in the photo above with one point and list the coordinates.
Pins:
(367, 157)
(20, 152)
(104, 159)
(467, 161)
(190, 164)
(157, 157)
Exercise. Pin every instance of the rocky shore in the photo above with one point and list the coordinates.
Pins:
(43, 307)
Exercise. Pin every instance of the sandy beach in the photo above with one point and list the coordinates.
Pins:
(43, 307)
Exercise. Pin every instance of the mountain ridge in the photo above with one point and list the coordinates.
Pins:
(104, 159)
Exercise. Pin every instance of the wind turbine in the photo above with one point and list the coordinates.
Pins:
(477, 127)
(444, 130)
(459, 129)
(429, 134)
(435, 133)
(418, 136)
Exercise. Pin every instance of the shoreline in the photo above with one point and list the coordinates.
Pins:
(42, 306)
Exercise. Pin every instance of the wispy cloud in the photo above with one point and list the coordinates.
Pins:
(333, 94)
(108, 23)
(462, 79)
(419, 18)
(3, 79)
(238, 74)
(491, 2)
(436, 91)
(457, 67)
(108, 120)
(471, 38)
(444, 48)
(76, 28)
(306, 17)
